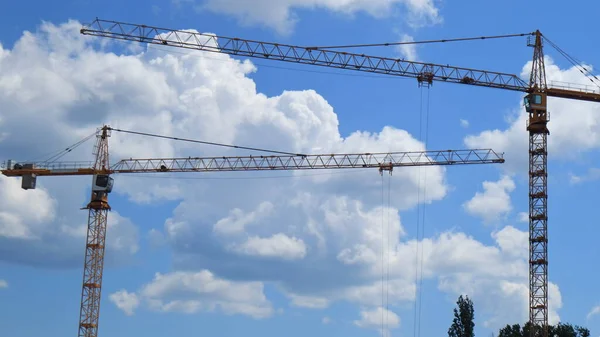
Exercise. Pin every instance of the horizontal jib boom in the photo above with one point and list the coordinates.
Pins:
(266, 163)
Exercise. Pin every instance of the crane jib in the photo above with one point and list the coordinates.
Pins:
(423, 72)
(261, 163)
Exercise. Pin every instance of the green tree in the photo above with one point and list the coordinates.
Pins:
(463, 324)
(582, 332)
(511, 331)
(559, 330)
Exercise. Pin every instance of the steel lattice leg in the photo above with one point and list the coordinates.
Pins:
(92, 274)
(538, 234)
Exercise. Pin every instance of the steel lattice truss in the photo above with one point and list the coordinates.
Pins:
(337, 161)
(426, 72)
(269, 163)
(92, 273)
(538, 232)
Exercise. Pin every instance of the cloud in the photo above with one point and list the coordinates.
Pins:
(3, 284)
(276, 246)
(37, 229)
(156, 238)
(523, 217)
(464, 123)
(317, 237)
(592, 174)
(281, 17)
(23, 212)
(125, 301)
(493, 287)
(595, 311)
(494, 202)
(326, 320)
(190, 292)
(308, 301)
(408, 51)
(380, 319)
(237, 220)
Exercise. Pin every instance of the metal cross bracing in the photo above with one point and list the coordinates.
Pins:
(537, 91)
(102, 184)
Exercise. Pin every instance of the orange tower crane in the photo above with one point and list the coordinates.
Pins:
(102, 185)
(537, 91)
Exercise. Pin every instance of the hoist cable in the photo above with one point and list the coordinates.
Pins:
(382, 257)
(388, 250)
(206, 143)
(576, 63)
(424, 213)
(417, 240)
(55, 155)
(420, 42)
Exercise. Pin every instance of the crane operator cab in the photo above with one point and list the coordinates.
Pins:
(102, 184)
(534, 101)
(535, 105)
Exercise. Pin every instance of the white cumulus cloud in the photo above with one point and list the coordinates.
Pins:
(380, 319)
(494, 202)
(125, 301)
(277, 245)
(190, 292)
(408, 51)
(280, 15)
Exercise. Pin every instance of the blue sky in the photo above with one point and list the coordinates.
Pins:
(291, 253)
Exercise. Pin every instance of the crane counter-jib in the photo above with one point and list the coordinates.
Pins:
(51, 172)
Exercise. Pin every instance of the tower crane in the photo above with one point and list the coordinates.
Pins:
(102, 185)
(535, 101)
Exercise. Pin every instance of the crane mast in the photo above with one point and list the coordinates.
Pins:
(95, 242)
(536, 103)
(426, 73)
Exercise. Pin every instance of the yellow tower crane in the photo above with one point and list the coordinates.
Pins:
(535, 101)
(102, 185)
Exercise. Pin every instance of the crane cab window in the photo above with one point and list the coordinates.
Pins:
(101, 180)
(532, 99)
(103, 183)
